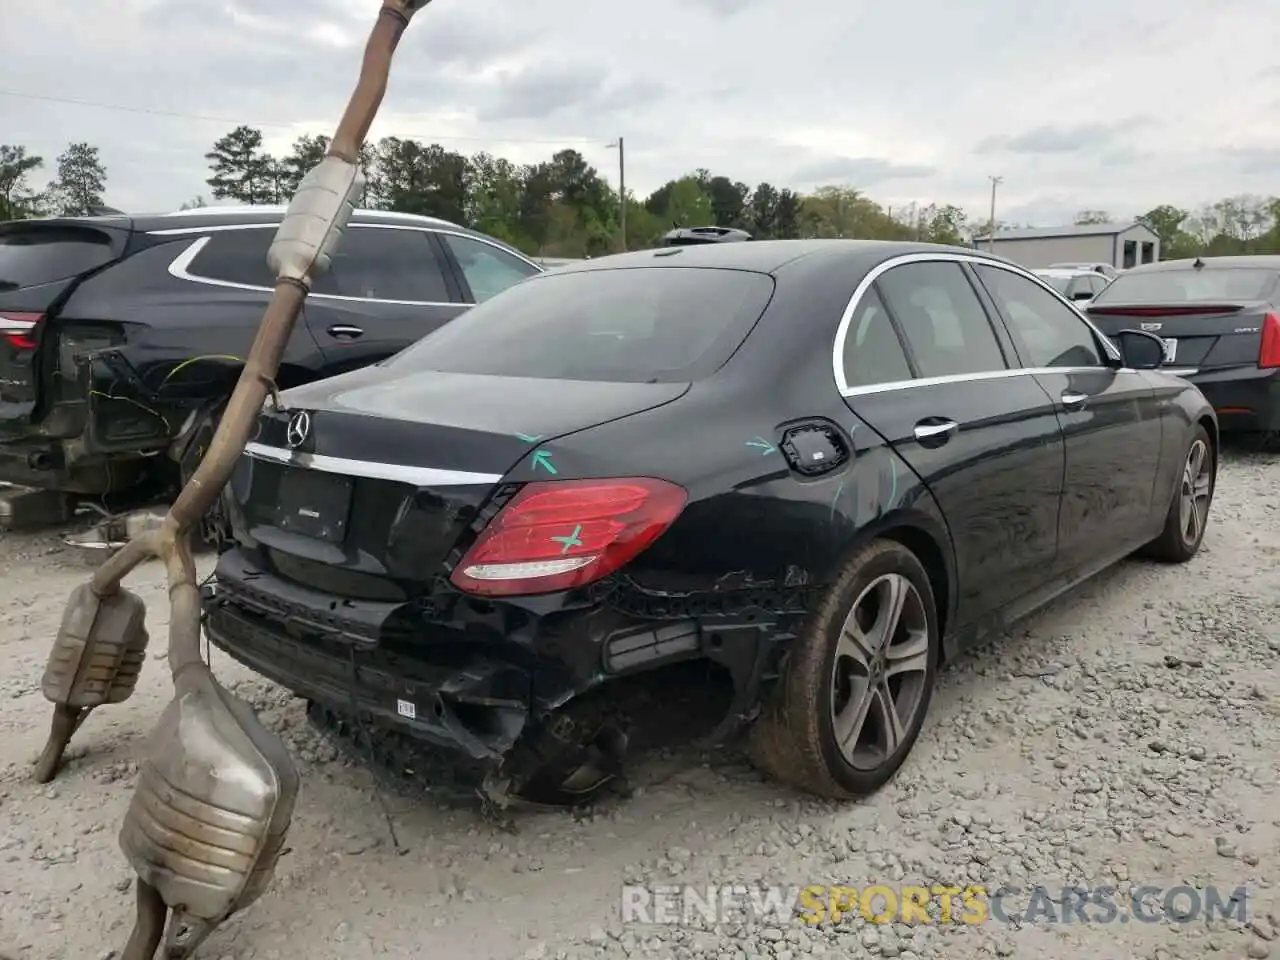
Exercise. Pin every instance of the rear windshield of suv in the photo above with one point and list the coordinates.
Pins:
(1226, 284)
(31, 256)
(627, 325)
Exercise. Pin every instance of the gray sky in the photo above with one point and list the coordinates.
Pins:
(1110, 104)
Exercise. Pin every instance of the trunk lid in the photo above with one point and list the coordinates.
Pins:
(382, 476)
(1197, 335)
(41, 262)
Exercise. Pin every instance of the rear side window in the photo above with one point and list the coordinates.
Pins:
(872, 351)
(488, 270)
(1208, 285)
(379, 263)
(942, 318)
(236, 256)
(29, 257)
(628, 325)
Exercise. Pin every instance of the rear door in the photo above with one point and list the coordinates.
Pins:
(41, 261)
(387, 287)
(484, 269)
(983, 437)
(1111, 420)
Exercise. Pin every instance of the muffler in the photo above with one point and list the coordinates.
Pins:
(96, 659)
(208, 818)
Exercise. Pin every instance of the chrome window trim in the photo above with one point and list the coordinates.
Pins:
(855, 301)
(180, 266)
(370, 470)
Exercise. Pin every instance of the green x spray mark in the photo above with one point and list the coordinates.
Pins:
(571, 541)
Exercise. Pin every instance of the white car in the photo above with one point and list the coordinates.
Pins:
(1106, 269)
(1076, 284)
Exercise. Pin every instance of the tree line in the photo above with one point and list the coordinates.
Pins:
(565, 207)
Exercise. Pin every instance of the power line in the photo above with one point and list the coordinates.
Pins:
(267, 123)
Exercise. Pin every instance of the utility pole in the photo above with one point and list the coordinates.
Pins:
(991, 230)
(622, 187)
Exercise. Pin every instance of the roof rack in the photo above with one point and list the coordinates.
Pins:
(248, 209)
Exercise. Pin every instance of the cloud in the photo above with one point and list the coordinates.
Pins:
(1062, 139)
(859, 171)
(911, 102)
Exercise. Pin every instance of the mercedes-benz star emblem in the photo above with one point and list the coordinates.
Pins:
(299, 428)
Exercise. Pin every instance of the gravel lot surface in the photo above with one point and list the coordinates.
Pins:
(1126, 736)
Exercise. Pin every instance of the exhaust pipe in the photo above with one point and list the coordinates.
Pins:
(211, 809)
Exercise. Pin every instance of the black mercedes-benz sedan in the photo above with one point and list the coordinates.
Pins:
(822, 467)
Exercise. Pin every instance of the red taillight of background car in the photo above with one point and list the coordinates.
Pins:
(560, 534)
(1269, 353)
(18, 330)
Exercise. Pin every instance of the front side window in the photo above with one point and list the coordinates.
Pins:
(943, 320)
(488, 269)
(872, 351)
(1050, 333)
(621, 325)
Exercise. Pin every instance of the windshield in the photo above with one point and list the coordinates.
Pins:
(1207, 285)
(1058, 283)
(29, 257)
(627, 325)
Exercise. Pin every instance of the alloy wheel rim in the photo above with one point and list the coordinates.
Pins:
(1194, 492)
(879, 671)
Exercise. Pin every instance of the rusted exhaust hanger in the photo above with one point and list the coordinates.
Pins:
(216, 793)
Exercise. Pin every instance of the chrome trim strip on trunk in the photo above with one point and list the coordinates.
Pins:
(367, 469)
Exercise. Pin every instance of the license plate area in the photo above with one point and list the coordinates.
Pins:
(1170, 349)
(314, 504)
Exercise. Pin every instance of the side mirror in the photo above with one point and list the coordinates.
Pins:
(1140, 350)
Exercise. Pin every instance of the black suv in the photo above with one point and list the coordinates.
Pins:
(121, 337)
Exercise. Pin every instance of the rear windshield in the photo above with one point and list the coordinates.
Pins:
(627, 325)
(1190, 286)
(29, 257)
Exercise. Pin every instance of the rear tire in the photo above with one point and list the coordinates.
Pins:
(856, 682)
(1188, 516)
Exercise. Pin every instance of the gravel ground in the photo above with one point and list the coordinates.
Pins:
(1126, 736)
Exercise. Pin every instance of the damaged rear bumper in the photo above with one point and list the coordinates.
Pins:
(460, 699)
(474, 684)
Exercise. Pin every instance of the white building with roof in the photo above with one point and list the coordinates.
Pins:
(1122, 245)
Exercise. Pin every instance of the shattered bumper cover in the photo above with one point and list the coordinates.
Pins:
(460, 698)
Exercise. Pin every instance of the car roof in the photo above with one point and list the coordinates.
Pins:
(1258, 261)
(771, 256)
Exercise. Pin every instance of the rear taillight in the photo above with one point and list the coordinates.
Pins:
(557, 535)
(18, 330)
(1269, 353)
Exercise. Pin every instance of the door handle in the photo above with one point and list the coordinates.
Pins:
(1074, 401)
(344, 332)
(934, 431)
